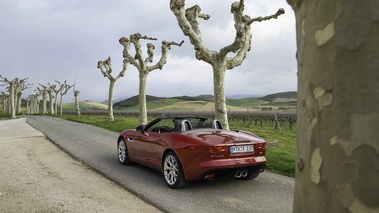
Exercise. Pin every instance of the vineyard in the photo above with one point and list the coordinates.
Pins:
(282, 119)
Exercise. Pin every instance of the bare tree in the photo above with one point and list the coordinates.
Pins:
(106, 68)
(66, 88)
(33, 103)
(338, 106)
(57, 89)
(20, 85)
(43, 91)
(11, 88)
(142, 64)
(50, 90)
(220, 62)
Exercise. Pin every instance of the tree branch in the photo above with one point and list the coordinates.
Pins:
(275, 16)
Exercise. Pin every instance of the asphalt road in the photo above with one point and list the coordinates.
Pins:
(96, 147)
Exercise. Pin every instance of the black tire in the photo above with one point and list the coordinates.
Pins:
(250, 176)
(123, 155)
(173, 171)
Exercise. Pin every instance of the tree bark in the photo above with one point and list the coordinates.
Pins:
(77, 107)
(11, 99)
(142, 98)
(18, 98)
(338, 106)
(55, 103)
(219, 94)
(44, 108)
(110, 100)
(51, 102)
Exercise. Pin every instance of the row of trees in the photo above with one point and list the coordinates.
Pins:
(10, 101)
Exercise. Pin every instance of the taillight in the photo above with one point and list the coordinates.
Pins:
(261, 148)
(210, 148)
(216, 148)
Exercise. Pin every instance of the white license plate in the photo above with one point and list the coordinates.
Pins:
(241, 149)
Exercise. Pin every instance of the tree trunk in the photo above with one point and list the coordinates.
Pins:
(219, 94)
(142, 98)
(28, 106)
(338, 106)
(18, 102)
(55, 104)
(11, 100)
(110, 100)
(51, 103)
(6, 105)
(44, 108)
(77, 107)
(37, 105)
(60, 105)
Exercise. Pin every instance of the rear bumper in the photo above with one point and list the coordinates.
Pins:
(225, 168)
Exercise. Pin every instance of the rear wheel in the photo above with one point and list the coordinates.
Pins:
(123, 155)
(173, 171)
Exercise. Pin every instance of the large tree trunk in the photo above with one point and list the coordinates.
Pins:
(110, 100)
(219, 94)
(338, 106)
(142, 98)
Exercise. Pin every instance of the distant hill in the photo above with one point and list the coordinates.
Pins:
(86, 105)
(205, 102)
(283, 98)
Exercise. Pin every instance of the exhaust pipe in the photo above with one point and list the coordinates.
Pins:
(238, 174)
(244, 173)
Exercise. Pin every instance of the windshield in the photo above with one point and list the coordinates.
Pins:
(176, 124)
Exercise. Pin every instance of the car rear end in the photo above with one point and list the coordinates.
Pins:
(224, 154)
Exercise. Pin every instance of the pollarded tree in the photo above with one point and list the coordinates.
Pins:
(20, 85)
(66, 88)
(106, 68)
(43, 91)
(220, 62)
(57, 89)
(338, 106)
(11, 88)
(50, 90)
(142, 64)
(33, 103)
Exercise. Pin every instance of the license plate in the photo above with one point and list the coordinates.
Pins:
(241, 149)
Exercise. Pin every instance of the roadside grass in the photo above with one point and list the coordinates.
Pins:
(281, 144)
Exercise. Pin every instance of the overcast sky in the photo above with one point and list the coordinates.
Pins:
(48, 40)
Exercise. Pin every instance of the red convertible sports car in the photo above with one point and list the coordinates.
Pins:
(186, 148)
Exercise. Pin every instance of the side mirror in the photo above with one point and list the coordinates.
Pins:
(140, 128)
